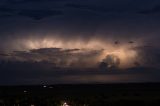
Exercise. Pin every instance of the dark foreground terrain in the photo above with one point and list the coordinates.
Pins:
(144, 94)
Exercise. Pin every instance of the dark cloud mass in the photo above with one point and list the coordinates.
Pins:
(58, 57)
(88, 41)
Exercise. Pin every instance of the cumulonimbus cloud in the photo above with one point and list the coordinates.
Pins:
(74, 53)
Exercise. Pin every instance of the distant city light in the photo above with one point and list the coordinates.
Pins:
(50, 87)
(44, 86)
(25, 91)
(65, 104)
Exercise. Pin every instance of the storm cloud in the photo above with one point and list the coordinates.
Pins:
(62, 35)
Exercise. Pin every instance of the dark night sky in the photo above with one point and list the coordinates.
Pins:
(48, 41)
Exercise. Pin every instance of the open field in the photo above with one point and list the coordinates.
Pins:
(144, 94)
